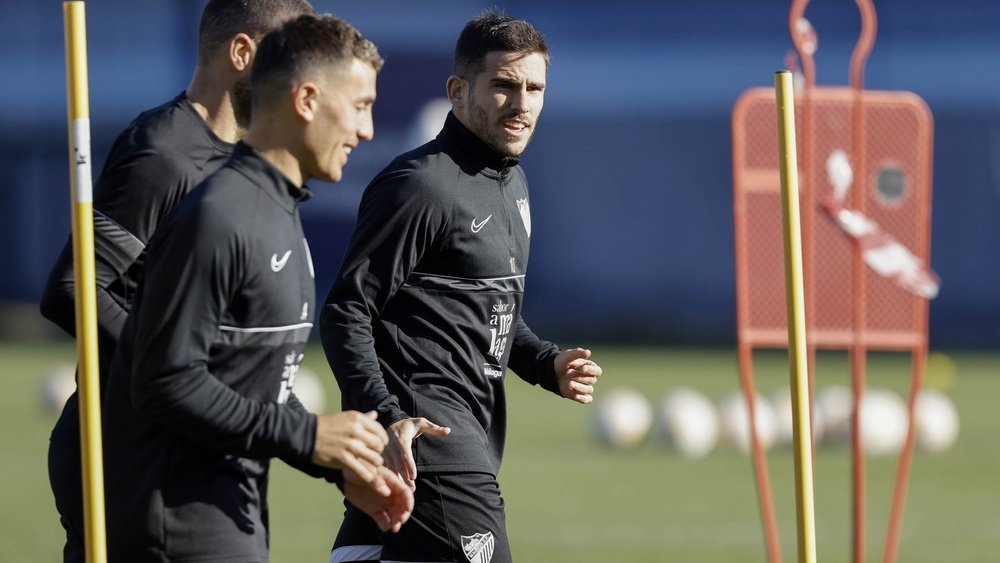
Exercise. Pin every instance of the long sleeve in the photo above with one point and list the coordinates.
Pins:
(59, 298)
(191, 274)
(533, 359)
(335, 476)
(394, 227)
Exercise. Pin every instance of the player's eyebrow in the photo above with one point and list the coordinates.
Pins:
(511, 81)
(505, 81)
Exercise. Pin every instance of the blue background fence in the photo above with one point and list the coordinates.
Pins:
(630, 168)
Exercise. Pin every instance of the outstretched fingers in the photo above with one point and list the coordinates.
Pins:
(424, 426)
(399, 454)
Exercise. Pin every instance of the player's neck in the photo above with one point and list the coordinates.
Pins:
(285, 161)
(210, 97)
(275, 146)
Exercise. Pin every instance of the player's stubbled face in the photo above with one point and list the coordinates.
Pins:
(505, 100)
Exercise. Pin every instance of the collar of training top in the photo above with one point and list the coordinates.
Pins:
(472, 150)
(255, 167)
(184, 102)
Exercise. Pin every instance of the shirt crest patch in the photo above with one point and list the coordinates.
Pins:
(522, 206)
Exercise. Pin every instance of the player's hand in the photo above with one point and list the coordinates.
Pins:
(387, 499)
(577, 374)
(351, 441)
(399, 453)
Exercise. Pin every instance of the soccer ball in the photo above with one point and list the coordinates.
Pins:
(687, 422)
(309, 390)
(936, 421)
(622, 417)
(834, 405)
(736, 421)
(884, 422)
(781, 401)
(58, 382)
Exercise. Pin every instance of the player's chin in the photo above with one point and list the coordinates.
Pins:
(333, 174)
(514, 145)
(513, 150)
(331, 170)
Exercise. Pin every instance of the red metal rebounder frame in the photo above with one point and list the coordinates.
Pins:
(865, 152)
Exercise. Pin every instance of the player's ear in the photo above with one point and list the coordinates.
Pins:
(305, 100)
(241, 50)
(458, 90)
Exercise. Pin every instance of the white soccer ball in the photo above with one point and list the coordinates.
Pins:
(835, 405)
(884, 419)
(781, 401)
(309, 389)
(936, 421)
(884, 422)
(687, 422)
(622, 417)
(58, 382)
(736, 421)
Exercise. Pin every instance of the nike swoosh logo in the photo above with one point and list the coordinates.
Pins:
(476, 227)
(277, 265)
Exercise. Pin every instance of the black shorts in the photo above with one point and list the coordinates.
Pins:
(66, 480)
(457, 517)
(358, 539)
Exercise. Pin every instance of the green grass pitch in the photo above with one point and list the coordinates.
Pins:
(569, 499)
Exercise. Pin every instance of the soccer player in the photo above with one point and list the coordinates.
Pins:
(153, 163)
(425, 316)
(198, 397)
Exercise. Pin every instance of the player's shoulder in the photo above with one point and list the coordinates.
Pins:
(426, 172)
(172, 130)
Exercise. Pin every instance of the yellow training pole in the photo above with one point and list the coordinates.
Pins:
(91, 451)
(798, 366)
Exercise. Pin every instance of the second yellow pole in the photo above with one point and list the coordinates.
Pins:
(795, 301)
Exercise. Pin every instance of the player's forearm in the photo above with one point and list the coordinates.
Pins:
(366, 391)
(533, 359)
(304, 463)
(195, 404)
(57, 303)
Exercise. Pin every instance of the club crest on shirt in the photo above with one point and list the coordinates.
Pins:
(522, 206)
(478, 548)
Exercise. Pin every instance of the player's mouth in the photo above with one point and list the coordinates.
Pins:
(515, 127)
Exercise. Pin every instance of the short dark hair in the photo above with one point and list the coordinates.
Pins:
(222, 19)
(495, 31)
(302, 44)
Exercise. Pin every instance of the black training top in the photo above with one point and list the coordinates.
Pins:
(426, 311)
(153, 163)
(199, 394)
